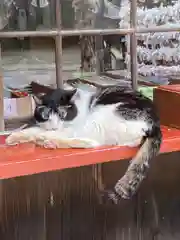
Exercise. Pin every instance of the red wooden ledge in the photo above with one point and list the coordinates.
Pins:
(27, 159)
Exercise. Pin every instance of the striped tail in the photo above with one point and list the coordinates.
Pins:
(137, 171)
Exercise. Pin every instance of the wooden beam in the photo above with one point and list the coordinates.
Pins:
(27, 159)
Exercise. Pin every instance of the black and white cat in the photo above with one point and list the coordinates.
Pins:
(106, 117)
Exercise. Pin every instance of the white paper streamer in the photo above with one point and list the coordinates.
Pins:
(150, 17)
(155, 47)
(165, 71)
(167, 54)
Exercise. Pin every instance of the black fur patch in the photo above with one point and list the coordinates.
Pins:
(52, 101)
(132, 104)
(42, 113)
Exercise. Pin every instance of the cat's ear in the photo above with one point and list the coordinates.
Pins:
(38, 98)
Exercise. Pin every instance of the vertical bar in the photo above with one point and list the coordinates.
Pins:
(1, 98)
(99, 46)
(133, 45)
(58, 46)
(1, 104)
(99, 50)
(99, 55)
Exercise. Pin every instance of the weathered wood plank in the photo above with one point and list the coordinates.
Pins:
(64, 205)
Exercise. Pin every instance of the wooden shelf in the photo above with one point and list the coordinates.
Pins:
(27, 159)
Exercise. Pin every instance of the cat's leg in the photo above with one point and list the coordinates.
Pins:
(137, 171)
(149, 141)
(58, 139)
(128, 185)
(23, 136)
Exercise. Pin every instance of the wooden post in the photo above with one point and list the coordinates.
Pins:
(1, 127)
(99, 39)
(87, 44)
(84, 19)
(1, 104)
(1, 98)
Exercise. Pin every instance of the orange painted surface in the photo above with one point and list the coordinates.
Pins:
(26, 159)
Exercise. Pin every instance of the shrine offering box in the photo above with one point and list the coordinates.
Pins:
(167, 101)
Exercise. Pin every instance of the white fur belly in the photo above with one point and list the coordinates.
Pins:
(130, 133)
(108, 128)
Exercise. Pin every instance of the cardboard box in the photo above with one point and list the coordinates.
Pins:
(18, 108)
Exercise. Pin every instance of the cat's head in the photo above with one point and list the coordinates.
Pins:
(54, 108)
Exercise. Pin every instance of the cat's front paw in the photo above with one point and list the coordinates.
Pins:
(50, 143)
(49, 140)
(17, 138)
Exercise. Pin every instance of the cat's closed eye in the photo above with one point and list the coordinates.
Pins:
(62, 111)
(42, 113)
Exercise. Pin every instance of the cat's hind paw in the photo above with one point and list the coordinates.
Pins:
(128, 185)
(110, 196)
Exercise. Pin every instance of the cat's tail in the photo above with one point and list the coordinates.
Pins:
(128, 185)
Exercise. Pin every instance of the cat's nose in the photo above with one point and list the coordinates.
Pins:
(42, 113)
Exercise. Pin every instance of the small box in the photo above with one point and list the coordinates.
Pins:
(18, 108)
(167, 101)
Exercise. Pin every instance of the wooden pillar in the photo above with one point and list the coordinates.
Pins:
(1, 127)
(1, 98)
(1, 104)
(87, 46)
(99, 46)
(84, 19)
